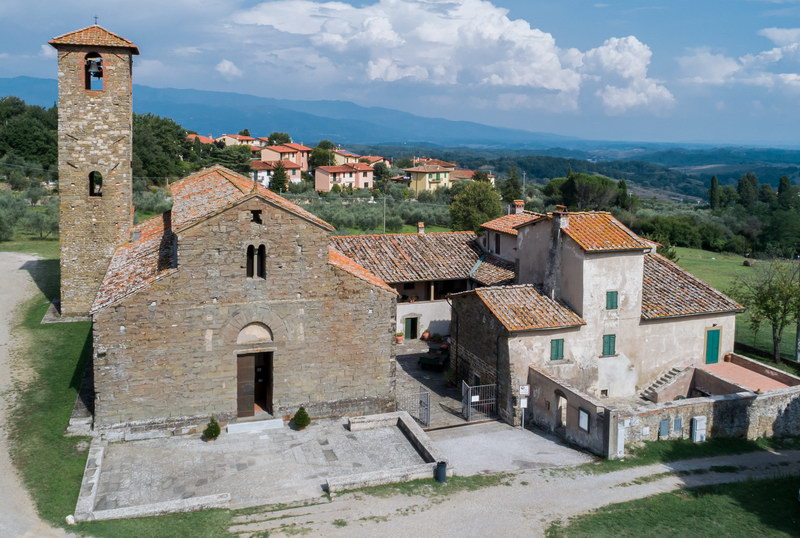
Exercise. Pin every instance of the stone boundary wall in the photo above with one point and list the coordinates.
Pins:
(543, 411)
(763, 369)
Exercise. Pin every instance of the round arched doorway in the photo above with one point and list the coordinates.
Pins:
(254, 370)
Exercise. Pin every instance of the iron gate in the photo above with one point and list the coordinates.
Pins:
(417, 404)
(478, 402)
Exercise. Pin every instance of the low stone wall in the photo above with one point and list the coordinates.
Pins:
(713, 385)
(543, 411)
(415, 435)
(763, 369)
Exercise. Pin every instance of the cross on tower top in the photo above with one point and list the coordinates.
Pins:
(95, 20)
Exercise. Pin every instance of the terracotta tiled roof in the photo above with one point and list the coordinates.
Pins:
(282, 149)
(523, 308)
(467, 174)
(200, 138)
(494, 271)
(669, 291)
(598, 231)
(270, 165)
(428, 168)
(138, 263)
(508, 223)
(94, 35)
(149, 254)
(337, 259)
(422, 257)
(349, 167)
(436, 162)
(345, 153)
(372, 158)
(298, 147)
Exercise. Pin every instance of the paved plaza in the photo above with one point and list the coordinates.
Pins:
(272, 466)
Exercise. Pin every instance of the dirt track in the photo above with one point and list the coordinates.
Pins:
(17, 514)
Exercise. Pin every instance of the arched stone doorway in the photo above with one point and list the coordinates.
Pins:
(254, 372)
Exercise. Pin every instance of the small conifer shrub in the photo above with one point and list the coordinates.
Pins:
(301, 419)
(212, 431)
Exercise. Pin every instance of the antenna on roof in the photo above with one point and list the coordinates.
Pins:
(95, 20)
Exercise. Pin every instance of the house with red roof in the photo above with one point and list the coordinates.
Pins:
(261, 171)
(296, 153)
(235, 139)
(200, 138)
(341, 156)
(356, 175)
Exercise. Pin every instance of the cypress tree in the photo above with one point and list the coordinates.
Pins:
(748, 190)
(714, 194)
(279, 179)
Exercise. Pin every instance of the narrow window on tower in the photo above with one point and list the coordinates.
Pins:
(256, 216)
(93, 71)
(95, 184)
(251, 254)
(261, 265)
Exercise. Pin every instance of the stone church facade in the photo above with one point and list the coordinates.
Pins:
(232, 304)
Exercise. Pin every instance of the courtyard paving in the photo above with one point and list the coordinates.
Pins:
(272, 466)
(445, 400)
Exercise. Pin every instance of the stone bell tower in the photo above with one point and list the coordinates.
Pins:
(94, 158)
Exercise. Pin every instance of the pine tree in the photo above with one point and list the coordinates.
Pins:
(301, 418)
(277, 138)
(279, 179)
(714, 194)
(512, 190)
(244, 132)
(786, 193)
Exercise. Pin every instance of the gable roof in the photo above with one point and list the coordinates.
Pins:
(523, 308)
(423, 257)
(337, 259)
(150, 254)
(94, 35)
(298, 147)
(348, 167)
(372, 158)
(282, 149)
(200, 138)
(596, 231)
(669, 291)
(508, 224)
(270, 165)
(469, 174)
(428, 168)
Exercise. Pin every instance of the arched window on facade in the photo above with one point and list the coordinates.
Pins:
(261, 262)
(93, 71)
(251, 254)
(95, 184)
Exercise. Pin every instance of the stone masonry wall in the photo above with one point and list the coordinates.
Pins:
(169, 351)
(94, 134)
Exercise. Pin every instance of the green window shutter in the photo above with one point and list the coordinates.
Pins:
(611, 300)
(609, 344)
(557, 349)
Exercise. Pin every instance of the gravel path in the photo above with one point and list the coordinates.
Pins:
(525, 506)
(17, 514)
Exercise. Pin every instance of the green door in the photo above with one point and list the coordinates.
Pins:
(712, 346)
(411, 328)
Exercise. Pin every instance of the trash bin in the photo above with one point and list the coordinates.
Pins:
(440, 474)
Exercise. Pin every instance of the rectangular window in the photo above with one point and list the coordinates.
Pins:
(609, 344)
(557, 349)
(583, 419)
(611, 300)
(497, 243)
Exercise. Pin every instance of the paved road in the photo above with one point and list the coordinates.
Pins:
(17, 515)
(525, 506)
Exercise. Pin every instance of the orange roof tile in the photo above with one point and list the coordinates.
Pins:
(337, 259)
(669, 291)
(298, 147)
(424, 257)
(200, 138)
(428, 168)
(349, 167)
(523, 308)
(508, 223)
(599, 231)
(94, 35)
(270, 165)
(282, 149)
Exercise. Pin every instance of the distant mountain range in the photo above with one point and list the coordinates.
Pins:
(309, 121)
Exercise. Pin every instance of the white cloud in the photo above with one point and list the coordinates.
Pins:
(228, 70)
(46, 51)
(187, 51)
(468, 43)
(761, 68)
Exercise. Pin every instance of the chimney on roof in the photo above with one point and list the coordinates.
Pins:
(420, 227)
(518, 206)
(552, 275)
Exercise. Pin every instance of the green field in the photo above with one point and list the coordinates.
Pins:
(746, 509)
(721, 271)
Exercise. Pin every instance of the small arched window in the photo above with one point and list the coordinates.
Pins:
(251, 254)
(261, 262)
(95, 184)
(93, 71)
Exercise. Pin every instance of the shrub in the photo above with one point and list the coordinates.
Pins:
(212, 431)
(301, 418)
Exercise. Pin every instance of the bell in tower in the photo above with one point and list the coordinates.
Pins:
(94, 158)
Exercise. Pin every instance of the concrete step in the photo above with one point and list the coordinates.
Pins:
(256, 426)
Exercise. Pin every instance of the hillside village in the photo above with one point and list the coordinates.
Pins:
(247, 353)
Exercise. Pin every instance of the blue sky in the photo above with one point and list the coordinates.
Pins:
(718, 71)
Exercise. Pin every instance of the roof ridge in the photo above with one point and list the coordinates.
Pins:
(400, 233)
(62, 39)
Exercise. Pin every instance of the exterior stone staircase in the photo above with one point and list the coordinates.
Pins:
(650, 392)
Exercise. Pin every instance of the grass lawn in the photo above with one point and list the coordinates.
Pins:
(721, 270)
(652, 452)
(753, 508)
